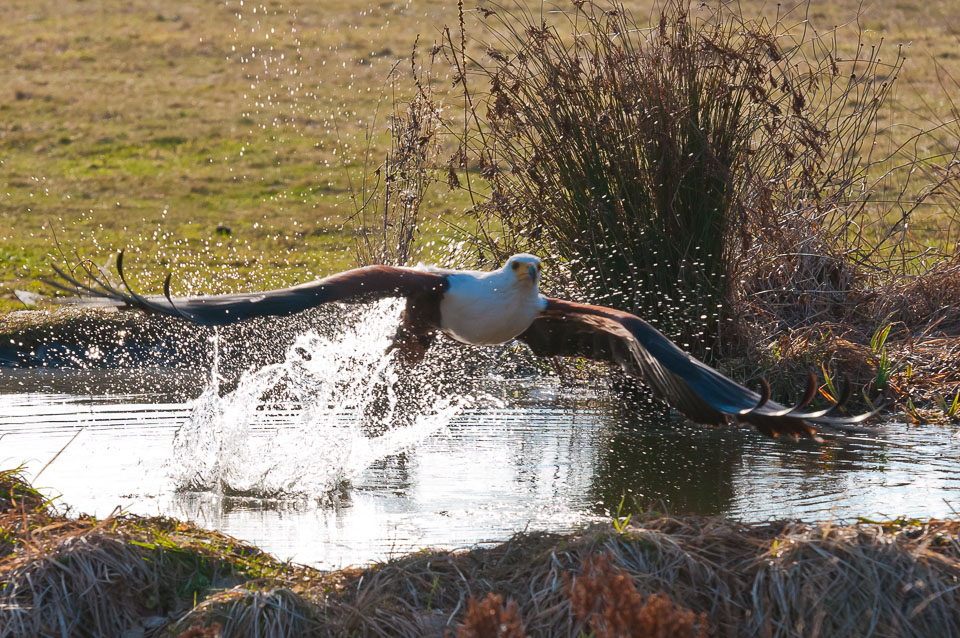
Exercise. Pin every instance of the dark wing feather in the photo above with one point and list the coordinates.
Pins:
(695, 389)
(360, 284)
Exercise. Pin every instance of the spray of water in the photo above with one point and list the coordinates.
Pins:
(304, 426)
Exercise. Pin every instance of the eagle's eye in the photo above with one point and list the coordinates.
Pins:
(515, 265)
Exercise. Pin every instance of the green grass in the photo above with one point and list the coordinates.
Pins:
(135, 125)
(146, 126)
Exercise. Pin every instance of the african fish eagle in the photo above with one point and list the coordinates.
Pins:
(494, 307)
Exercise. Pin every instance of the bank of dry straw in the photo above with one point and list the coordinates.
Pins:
(675, 576)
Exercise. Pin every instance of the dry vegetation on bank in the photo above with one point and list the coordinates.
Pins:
(671, 577)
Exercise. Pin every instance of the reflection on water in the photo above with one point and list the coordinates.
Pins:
(667, 466)
(544, 457)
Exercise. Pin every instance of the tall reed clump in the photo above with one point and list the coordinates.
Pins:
(650, 161)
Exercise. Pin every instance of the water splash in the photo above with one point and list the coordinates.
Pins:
(304, 426)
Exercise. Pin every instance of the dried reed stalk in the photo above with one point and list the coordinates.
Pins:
(387, 220)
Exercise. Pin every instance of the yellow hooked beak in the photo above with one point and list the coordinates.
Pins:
(526, 270)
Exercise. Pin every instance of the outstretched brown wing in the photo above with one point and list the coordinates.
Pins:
(695, 389)
(360, 284)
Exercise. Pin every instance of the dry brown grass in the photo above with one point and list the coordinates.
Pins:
(246, 610)
(83, 576)
(928, 303)
(769, 579)
(85, 579)
(926, 368)
(670, 576)
(827, 323)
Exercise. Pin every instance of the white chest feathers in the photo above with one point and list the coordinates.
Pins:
(487, 308)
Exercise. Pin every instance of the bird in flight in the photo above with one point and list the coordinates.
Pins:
(494, 307)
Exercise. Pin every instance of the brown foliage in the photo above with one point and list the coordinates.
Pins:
(490, 618)
(606, 599)
(386, 223)
(710, 163)
(722, 176)
(85, 576)
(199, 631)
(260, 609)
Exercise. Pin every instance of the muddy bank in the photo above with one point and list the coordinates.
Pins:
(76, 338)
(679, 576)
(73, 338)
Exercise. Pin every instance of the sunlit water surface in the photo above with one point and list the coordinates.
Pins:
(300, 460)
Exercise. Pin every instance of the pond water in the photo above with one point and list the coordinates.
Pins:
(524, 453)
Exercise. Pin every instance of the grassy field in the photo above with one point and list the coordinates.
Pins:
(148, 125)
(224, 140)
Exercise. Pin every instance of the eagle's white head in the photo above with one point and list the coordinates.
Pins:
(525, 267)
(490, 307)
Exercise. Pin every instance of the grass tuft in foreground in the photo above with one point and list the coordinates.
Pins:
(676, 576)
(16, 494)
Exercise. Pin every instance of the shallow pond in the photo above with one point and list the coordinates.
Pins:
(532, 454)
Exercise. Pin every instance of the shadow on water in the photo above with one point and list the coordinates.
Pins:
(661, 462)
(159, 384)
